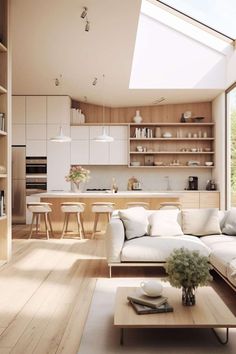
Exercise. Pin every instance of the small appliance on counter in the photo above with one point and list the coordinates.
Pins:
(193, 183)
(211, 185)
(134, 184)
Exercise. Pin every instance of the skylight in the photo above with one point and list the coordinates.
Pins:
(179, 24)
(217, 14)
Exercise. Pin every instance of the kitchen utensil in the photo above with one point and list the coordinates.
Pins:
(209, 163)
(193, 183)
(167, 135)
(135, 163)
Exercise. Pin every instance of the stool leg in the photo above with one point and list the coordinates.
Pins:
(50, 224)
(46, 225)
(95, 224)
(108, 216)
(64, 226)
(31, 226)
(37, 224)
(67, 221)
(79, 225)
(82, 223)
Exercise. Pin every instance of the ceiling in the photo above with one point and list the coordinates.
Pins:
(49, 42)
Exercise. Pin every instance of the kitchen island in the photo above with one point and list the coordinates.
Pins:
(189, 199)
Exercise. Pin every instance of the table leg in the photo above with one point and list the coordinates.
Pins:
(122, 336)
(224, 341)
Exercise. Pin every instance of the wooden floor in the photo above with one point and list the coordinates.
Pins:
(46, 290)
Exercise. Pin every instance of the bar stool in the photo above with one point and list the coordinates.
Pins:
(101, 208)
(73, 208)
(136, 204)
(40, 209)
(170, 205)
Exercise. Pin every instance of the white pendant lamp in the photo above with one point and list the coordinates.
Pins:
(104, 137)
(61, 138)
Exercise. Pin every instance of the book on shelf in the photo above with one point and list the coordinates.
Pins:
(144, 310)
(142, 299)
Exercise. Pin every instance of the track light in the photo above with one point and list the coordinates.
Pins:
(84, 13)
(87, 26)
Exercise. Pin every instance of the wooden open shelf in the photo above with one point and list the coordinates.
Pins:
(177, 166)
(2, 90)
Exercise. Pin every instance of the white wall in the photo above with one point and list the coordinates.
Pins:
(218, 114)
(231, 71)
(101, 177)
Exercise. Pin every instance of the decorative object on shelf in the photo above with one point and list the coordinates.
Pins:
(61, 138)
(209, 163)
(187, 114)
(3, 169)
(135, 163)
(157, 132)
(137, 118)
(2, 121)
(197, 119)
(187, 270)
(148, 160)
(104, 137)
(139, 148)
(204, 134)
(167, 135)
(77, 174)
(193, 163)
(182, 119)
(143, 133)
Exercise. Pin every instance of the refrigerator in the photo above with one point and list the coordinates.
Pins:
(18, 184)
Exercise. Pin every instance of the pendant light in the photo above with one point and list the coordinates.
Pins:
(61, 138)
(104, 137)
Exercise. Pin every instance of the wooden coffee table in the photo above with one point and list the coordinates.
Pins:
(209, 312)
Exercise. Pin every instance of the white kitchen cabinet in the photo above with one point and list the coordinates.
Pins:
(36, 110)
(119, 132)
(36, 132)
(36, 148)
(58, 165)
(18, 134)
(18, 109)
(118, 152)
(99, 153)
(58, 110)
(80, 145)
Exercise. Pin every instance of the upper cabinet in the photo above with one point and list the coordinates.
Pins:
(58, 110)
(18, 109)
(36, 110)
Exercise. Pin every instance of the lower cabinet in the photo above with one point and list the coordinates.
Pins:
(194, 200)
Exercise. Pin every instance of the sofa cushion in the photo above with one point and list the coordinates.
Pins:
(135, 222)
(231, 272)
(229, 227)
(157, 249)
(201, 222)
(223, 251)
(165, 223)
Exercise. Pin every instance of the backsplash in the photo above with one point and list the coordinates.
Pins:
(101, 177)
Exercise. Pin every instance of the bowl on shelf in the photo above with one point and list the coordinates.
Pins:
(208, 163)
(193, 150)
(167, 135)
(207, 149)
(198, 119)
(135, 163)
(158, 163)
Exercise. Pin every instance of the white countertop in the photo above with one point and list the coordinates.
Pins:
(119, 194)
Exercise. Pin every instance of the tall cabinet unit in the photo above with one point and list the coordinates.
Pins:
(5, 121)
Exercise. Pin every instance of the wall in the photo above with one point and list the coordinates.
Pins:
(231, 72)
(218, 113)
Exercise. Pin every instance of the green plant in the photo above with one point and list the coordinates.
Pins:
(187, 269)
(78, 174)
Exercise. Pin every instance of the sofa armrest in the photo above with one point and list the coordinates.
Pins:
(114, 240)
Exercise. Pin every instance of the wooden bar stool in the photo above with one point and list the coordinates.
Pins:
(170, 205)
(136, 204)
(40, 209)
(73, 208)
(101, 208)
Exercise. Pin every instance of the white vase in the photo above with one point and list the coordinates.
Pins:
(76, 187)
(137, 119)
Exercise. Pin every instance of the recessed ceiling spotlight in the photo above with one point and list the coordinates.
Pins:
(159, 100)
(84, 13)
(87, 26)
(95, 80)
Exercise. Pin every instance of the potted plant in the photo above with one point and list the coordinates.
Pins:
(77, 174)
(187, 270)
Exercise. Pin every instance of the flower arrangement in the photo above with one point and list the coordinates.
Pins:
(187, 270)
(78, 174)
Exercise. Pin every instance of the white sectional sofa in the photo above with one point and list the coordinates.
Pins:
(147, 237)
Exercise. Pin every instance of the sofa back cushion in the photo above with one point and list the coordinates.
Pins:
(135, 222)
(229, 227)
(165, 223)
(201, 222)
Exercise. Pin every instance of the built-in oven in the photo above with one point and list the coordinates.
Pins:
(36, 165)
(35, 185)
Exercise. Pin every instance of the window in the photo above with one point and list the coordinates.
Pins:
(231, 146)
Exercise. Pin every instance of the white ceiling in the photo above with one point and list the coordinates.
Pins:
(48, 40)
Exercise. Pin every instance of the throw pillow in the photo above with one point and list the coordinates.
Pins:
(165, 223)
(230, 223)
(135, 222)
(201, 222)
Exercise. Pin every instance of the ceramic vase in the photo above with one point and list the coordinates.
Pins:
(76, 187)
(137, 118)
